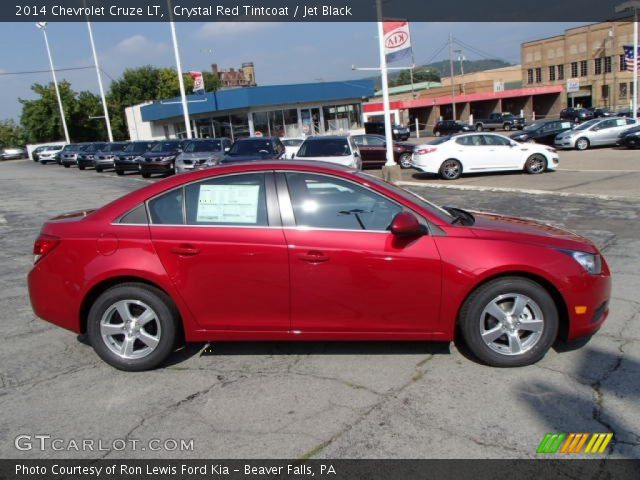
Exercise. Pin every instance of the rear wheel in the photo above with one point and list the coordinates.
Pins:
(451, 169)
(405, 160)
(479, 127)
(437, 133)
(535, 164)
(507, 127)
(582, 144)
(133, 327)
(509, 322)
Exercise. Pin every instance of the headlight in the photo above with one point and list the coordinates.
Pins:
(592, 263)
(395, 130)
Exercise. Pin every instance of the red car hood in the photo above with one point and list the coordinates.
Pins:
(488, 225)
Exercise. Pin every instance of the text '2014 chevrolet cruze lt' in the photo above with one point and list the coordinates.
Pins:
(283, 250)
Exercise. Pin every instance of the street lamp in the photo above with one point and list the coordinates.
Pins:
(104, 101)
(43, 27)
(626, 7)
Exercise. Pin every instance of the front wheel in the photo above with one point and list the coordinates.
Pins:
(437, 133)
(119, 172)
(507, 127)
(146, 175)
(67, 166)
(133, 327)
(98, 169)
(479, 128)
(405, 160)
(80, 167)
(509, 322)
(582, 144)
(535, 164)
(451, 169)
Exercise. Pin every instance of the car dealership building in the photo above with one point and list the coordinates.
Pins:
(280, 110)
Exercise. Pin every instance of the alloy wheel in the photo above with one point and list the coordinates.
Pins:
(511, 324)
(130, 329)
(405, 160)
(451, 169)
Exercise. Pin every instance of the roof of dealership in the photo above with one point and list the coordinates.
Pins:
(255, 97)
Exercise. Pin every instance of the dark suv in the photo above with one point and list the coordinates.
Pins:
(127, 159)
(398, 132)
(85, 158)
(255, 148)
(576, 115)
(449, 127)
(161, 158)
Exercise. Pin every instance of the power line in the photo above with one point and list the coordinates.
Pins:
(30, 72)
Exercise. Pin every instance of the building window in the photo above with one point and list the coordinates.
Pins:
(604, 93)
(598, 66)
(291, 127)
(239, 125)
(530, 75)
(622, 67)
(607, 64)
(574, 69)
(583, 68)
(261, 123)
(560, 72)
(623, 90)
(538, 75)
(552, 73)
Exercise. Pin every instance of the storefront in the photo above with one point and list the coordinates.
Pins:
(280, 110)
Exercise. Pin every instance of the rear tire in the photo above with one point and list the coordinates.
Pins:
(582, 144)
(479, 128)
(437, 133)
(405, 160)
(507, 127)
(119, 172)
(523, 329)
(67, 166)
(98, 169)
(145, 175)
(147, 319)
(80, 167)
(450, 169)
(535, 164)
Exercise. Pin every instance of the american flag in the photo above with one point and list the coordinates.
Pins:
(628, 57)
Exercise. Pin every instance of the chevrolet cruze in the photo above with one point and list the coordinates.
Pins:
(283, 250)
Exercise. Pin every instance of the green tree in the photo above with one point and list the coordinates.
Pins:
(11, 134)
(419, 75)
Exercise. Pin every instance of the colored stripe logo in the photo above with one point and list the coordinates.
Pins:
(556, 442)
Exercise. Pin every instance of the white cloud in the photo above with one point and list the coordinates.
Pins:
(225, 29)
(139, 44)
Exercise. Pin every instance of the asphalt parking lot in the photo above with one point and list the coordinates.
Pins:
(330, 400)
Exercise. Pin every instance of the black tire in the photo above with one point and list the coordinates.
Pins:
(165, 314)
(80, 167)
(98, 169)
(405, 160)
(582, 144)
(145, 175)
(437, 133)
(451, 169)
(535, 164)
(119, 172)
(479, 127)
(507, 127)
(471, 321)
(67, 165)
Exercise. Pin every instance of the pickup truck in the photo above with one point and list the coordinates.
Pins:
(506, 121)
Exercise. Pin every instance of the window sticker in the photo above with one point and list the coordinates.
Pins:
(228, 203)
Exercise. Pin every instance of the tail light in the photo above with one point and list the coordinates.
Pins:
(44, 244)
(424, 151)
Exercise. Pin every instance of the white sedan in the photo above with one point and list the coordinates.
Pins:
(452, 156)
(291, 146)
(332, 149)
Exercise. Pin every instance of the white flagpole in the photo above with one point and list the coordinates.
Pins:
(101, 88)
(635, 63)
(183, 95)
(385, 92)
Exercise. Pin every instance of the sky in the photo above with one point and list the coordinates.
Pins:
(282, 53)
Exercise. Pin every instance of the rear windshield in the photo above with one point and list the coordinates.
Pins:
(251, 147)
(206, 146)
(329, 147)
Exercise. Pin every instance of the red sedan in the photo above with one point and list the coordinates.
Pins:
(287, 250)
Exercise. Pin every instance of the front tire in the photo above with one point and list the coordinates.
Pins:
(145, 175)
(507, 127)
(67, 166)
(80, 167)
(582, 144)
(405, 160)
(119, 172)
(535, 164)
(133, 327)
(450, 169)
(98, 169)
(509, 322)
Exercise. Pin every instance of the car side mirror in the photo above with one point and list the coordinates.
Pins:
(405, 224)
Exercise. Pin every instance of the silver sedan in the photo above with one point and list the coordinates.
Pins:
(596, 132)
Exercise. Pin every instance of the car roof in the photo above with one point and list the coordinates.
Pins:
(327, 137)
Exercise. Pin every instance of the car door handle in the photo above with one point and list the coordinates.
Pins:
(185, 250)
(313, 256)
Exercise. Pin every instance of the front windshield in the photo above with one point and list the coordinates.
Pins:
(136, 148)
(587, 125)
(411, 196)
(165, 146)
(94, 147)
(205, 146)
(251, 147)
(114, 147)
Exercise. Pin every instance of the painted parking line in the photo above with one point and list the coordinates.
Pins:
(596, 171)
(514, 190)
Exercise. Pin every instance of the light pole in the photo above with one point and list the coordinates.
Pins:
(629, 7)
(183, 95)
(104, 100)
(43, 27)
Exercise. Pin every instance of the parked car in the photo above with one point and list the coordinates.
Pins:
(129, 158)
(544, 131)
(86, 158)
(629, 138)
(50, 153)
(202, 153)
(373, 151)
(254, 148)
(398, 132)
(596, 132)
(627, 113)
(452, 156)
(449, 127)
(505, 121)
(69, 154)
(332, 149)
(601, 112)
(310, 251)
(576, 115)
(36, 151)
(105, 157)
(161, 158)
(291, 145)
(13, 153)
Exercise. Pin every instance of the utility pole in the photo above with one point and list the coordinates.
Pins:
(183, 95)
(461, 59)
(453, 87)
(104, 100)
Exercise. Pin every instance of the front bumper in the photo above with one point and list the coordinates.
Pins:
(564, 143)
(156, 167)
(594, 292)
(68, 160)
(126, 165)
(86, 162)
